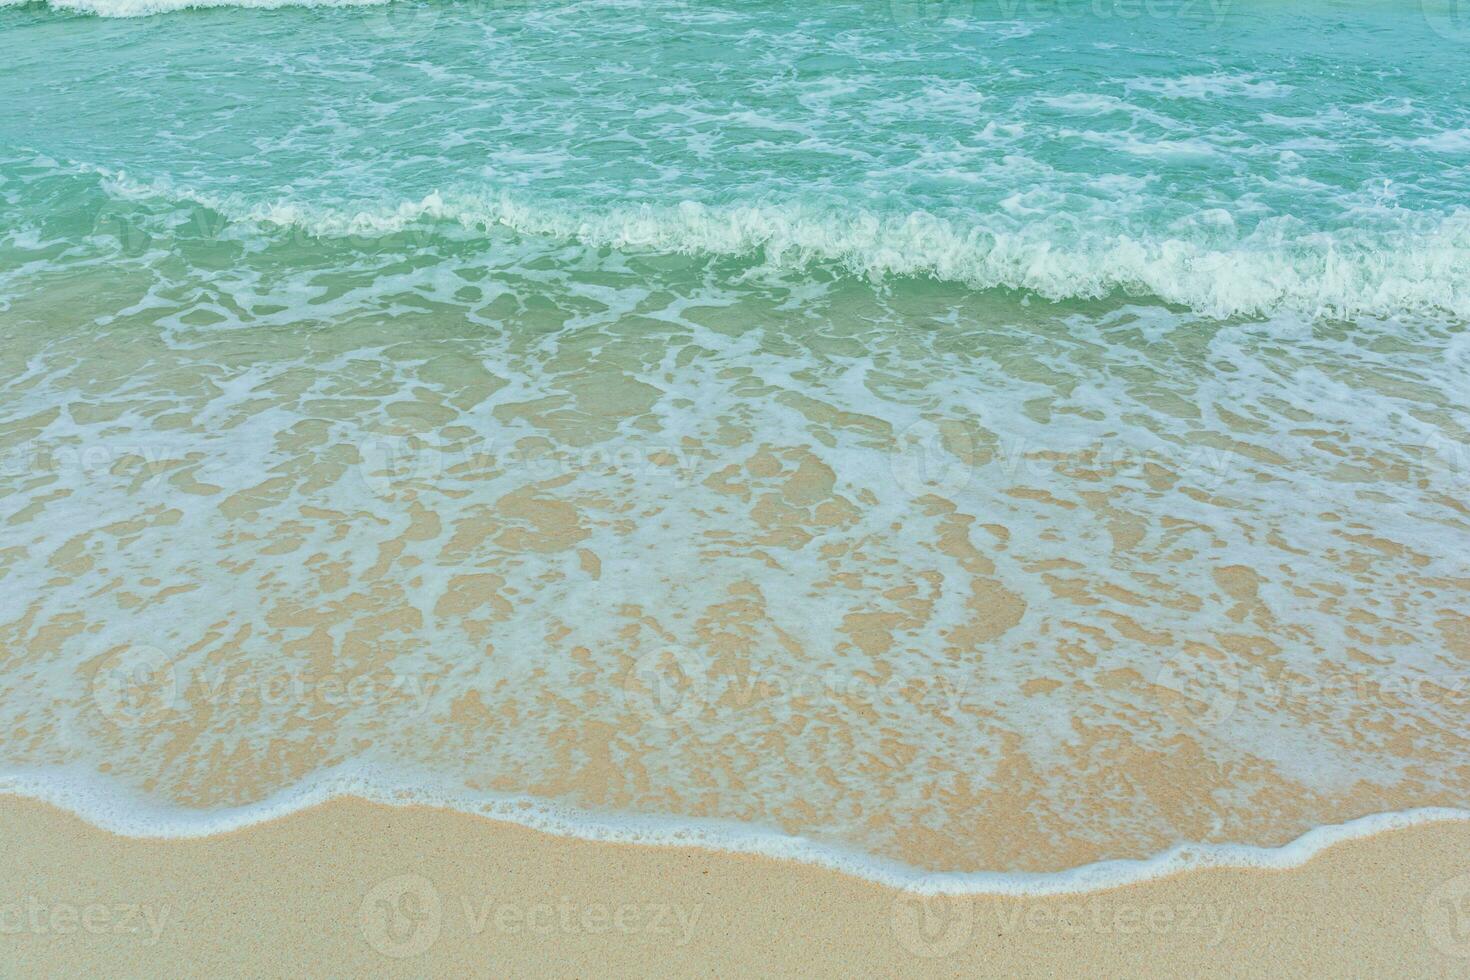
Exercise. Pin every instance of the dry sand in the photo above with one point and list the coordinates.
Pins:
(353, 887)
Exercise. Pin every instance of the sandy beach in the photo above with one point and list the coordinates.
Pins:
(356, 888)
(706, 477)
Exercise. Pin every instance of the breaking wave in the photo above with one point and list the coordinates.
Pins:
(1418, 265)
(147, 8)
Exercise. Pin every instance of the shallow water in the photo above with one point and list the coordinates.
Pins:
(986, 444)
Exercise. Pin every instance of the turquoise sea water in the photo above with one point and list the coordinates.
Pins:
(1035, 433)
(1241, 158)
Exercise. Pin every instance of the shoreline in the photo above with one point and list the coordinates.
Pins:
(86, 798)
(350, 884)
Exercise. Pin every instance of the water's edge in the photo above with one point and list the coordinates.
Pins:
(104, 804)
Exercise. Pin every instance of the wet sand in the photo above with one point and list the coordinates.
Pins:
(357, 888)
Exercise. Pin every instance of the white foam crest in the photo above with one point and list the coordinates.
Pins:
(147, 8)
(1213, 86)
(104, 804)
(1449, 141)
(1424, 268)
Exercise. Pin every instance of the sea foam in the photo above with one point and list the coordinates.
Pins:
(112, 808)
(1421, 268)
(147, 8)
